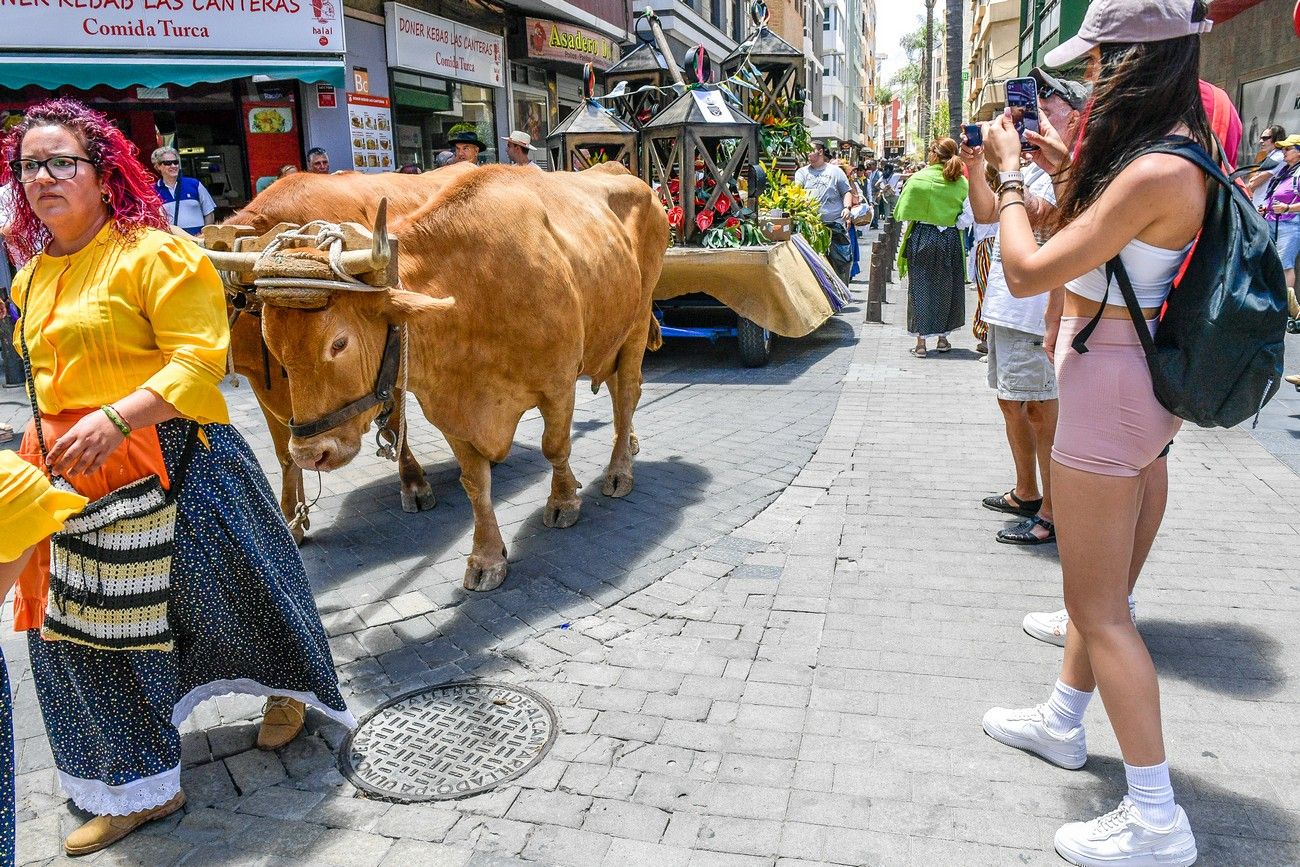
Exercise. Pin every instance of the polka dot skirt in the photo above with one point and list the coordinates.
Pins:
(244, 620)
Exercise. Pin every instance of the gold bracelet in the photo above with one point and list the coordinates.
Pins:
(116, 418)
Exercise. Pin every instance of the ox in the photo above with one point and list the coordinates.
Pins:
(301, 198)
(513, 283)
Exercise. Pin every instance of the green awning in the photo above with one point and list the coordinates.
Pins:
(86, 71)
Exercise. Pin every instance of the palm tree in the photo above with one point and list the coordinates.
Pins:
(927, 72)
(953, 26)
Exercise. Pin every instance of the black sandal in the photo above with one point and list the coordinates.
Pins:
(1023, 534)
(1023, 508)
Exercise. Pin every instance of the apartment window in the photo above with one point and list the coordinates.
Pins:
(1051, 20)
(827, 17)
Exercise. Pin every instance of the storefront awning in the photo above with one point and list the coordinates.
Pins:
(85, 71)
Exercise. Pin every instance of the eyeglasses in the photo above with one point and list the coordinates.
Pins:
(169, 162)
(60, 168)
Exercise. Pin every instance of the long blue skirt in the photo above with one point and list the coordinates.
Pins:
(6, 768)
(243, 620)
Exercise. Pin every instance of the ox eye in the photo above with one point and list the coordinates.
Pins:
(338, 346)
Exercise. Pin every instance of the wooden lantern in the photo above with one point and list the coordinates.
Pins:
(780, 86)
(700, 133)
(643, 73)
(592, 135)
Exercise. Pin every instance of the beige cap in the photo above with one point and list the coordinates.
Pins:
(1110, 21)
(520, 138)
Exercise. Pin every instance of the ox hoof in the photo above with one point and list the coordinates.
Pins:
(559, 517)
(617, 484)
(483, 578)
(420, 500)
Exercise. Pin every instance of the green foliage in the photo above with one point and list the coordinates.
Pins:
(941, 119)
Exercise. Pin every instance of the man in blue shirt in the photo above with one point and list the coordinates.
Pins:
(185, 201)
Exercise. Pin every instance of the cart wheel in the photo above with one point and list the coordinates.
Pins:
(755, 343)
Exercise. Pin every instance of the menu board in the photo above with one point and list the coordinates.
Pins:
(370, 127)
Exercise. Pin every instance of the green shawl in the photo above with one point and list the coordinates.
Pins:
(928, 197)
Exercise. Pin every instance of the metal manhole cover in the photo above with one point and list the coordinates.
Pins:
(448, 741)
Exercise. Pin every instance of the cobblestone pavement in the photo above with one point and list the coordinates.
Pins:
(776, 651)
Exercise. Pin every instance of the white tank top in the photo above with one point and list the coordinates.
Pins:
(1150, 269)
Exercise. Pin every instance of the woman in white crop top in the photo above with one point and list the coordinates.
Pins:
(1109, 473)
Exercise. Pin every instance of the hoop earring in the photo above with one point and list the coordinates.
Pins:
(106, 198)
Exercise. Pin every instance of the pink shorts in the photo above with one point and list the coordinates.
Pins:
(1110, 421)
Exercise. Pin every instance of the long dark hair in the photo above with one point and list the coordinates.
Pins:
(1144, 90)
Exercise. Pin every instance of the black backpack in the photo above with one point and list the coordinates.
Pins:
(1216, 357)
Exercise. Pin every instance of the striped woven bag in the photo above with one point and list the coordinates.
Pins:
(110, 566)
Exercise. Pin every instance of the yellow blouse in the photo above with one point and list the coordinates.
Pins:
(30, 509)
(117, 316)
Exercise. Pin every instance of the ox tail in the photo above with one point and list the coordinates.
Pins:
(656, 339)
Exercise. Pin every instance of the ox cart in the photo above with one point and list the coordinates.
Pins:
(748, 293)
(701, 144)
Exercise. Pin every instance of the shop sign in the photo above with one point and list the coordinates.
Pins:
(275, 26)
(325, 96)
(426, 43)
(370, 123)
(553, 40)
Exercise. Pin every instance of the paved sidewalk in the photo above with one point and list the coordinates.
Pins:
(778, 649)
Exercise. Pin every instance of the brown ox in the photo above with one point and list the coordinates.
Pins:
(301, 198)
(514, 284)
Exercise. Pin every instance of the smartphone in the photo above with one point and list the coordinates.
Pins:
(974, 137)
(1022, 101)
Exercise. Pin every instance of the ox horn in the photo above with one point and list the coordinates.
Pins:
(380, 252)
(224, 260)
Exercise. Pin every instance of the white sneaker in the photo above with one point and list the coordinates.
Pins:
(1121, 838)
(1025, 729)
(1050, 626)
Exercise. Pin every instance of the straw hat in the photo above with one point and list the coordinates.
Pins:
(520, 138)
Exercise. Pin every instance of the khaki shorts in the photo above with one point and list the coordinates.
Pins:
(1018, 365)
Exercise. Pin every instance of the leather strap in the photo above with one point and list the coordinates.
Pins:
(385, 382)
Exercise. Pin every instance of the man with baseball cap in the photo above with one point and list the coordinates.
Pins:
(519, 146)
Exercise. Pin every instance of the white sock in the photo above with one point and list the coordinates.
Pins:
(1151, 793)
(1065, 708)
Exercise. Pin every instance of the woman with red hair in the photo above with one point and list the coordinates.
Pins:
(123, 328)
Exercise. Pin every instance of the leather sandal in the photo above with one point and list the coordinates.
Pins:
(103, 831)
(282, 720)
(1023, 534)
(1023, 508)
(918, 351)
(943, 345)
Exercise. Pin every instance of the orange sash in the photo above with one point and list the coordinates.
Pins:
(138, 456)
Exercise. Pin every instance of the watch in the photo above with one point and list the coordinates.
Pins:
(1008, 177)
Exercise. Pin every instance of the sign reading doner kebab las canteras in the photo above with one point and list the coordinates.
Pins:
(174, 25)
(422, 42)
(555, 40)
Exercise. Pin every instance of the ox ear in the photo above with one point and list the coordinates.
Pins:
(409, 305)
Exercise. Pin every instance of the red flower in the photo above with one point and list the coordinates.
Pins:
(704, 219)
(676, 217)
(644, 115)
(699, 165)
(732, 222)
(674, 185)
(723, 204)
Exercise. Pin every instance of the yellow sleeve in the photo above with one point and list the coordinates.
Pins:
(30, 509)
(183, 298)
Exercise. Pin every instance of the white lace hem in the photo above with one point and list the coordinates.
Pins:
(248, 686)
(101, 799)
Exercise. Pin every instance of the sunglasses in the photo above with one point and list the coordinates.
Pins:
(1266, 138)
(169, 162)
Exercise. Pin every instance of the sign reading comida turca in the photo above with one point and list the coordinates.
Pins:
(276, 26)
(422, 42)
(555, 40)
